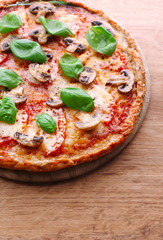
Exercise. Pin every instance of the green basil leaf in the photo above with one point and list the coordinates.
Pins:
(71, 66)
(28, 50)
(55, 27)
(78, 99)
(46, 122)
(9, 78)
(101, 40)
(7, 110)
(9, 22)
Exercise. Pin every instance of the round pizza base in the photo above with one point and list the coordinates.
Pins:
(84, 168)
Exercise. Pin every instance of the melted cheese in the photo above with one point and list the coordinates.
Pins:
(104, 76)
(73, 21)
(101, 97)
(122, 41)
(24, 30)
(69, 18)
(32, 129)
(85, 56)
(71, 133)
(22, 14)
(96, 62)
(8, 130)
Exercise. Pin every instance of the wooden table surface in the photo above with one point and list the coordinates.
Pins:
(121, 200)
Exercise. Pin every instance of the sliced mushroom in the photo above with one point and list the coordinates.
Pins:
(17, 95)
(5, 43)
(48, 54)
(41, 9)
(40, 35)
(54, 102)
(87, 76)
(88, 121)
(27, 141)
(125, 81)
(105, 25)
(74, 45)
(41, 72)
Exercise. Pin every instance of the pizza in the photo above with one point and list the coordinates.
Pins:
(72, 84)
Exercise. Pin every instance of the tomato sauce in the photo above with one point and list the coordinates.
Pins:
(118, 115)
(4, 11)
(118, 55)
(89, 143)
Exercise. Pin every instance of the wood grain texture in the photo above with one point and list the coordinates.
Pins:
(123, 199)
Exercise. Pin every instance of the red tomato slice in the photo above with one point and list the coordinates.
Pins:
(5, 141)
(3, 58)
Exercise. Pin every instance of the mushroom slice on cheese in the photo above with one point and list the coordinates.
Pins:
(28, 141)
(41, 9)
(124, 81)
(54, 102)
(40, 35)
(87, 76)
(17, 95)
(74, 45)
(105, 25)
(48, 54)
(5, 43)
(87, 121)
(40, 72)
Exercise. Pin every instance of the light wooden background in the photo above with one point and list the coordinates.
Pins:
(122, 200)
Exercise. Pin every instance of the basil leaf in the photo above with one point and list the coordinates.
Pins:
(46, 122)
(9, 22)
(7, 110)
(9, 78)
(55, 27)
(28, 50)
(101, 40)
(78, 99)
(71, 66)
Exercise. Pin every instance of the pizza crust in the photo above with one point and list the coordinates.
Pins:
(43, 164)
